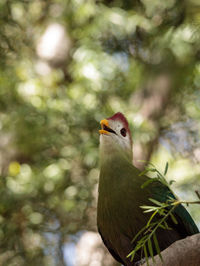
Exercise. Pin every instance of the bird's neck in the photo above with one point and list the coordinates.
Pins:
(112, 153)
(111, 169)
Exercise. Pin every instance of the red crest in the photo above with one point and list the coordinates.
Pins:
(120, 117)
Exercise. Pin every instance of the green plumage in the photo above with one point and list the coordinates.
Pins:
(119, 215)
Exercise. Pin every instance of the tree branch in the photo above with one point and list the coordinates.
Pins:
(183, 252)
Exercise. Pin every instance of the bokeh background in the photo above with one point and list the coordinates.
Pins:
(65, 65)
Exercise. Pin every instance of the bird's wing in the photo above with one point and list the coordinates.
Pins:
(186, 226)
(109, 247)
(123, 250)
(185, 220)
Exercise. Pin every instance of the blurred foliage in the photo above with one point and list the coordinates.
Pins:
(55, 88)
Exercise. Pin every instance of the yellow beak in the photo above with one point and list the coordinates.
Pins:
(103, 123)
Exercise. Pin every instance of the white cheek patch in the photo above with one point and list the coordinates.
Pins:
(112, 139)
(117, 129)
(119, 126)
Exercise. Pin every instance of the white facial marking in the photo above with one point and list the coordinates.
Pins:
(110, 141)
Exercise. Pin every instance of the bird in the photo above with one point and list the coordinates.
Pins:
(119, 215)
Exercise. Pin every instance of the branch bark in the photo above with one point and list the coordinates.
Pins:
(181, 253)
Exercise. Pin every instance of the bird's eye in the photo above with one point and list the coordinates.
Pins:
(123, 132)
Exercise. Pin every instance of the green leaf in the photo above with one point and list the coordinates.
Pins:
(150, 210)
(166, 225)
(150, 248)
(152, 170)
(151, 164)
(166, 168)
(162, 226)
(131, 254)
(171, 182)
(171, 199)
(139, 233)
(173, 218)
(157, 246)
(151, 218)
(146, 255)
(149, 181)
(156, 202)
(149, 207)
(147, 170)
(144, 172)
(162, 212)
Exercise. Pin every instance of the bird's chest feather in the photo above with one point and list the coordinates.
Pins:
(119, 209)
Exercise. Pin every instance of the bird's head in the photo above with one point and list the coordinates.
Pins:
(115, 136)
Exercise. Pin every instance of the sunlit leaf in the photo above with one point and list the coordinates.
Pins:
(173, 218)
(150, 248)
(156, 202)
(149, 181)
(157, 246)
(146, 255)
